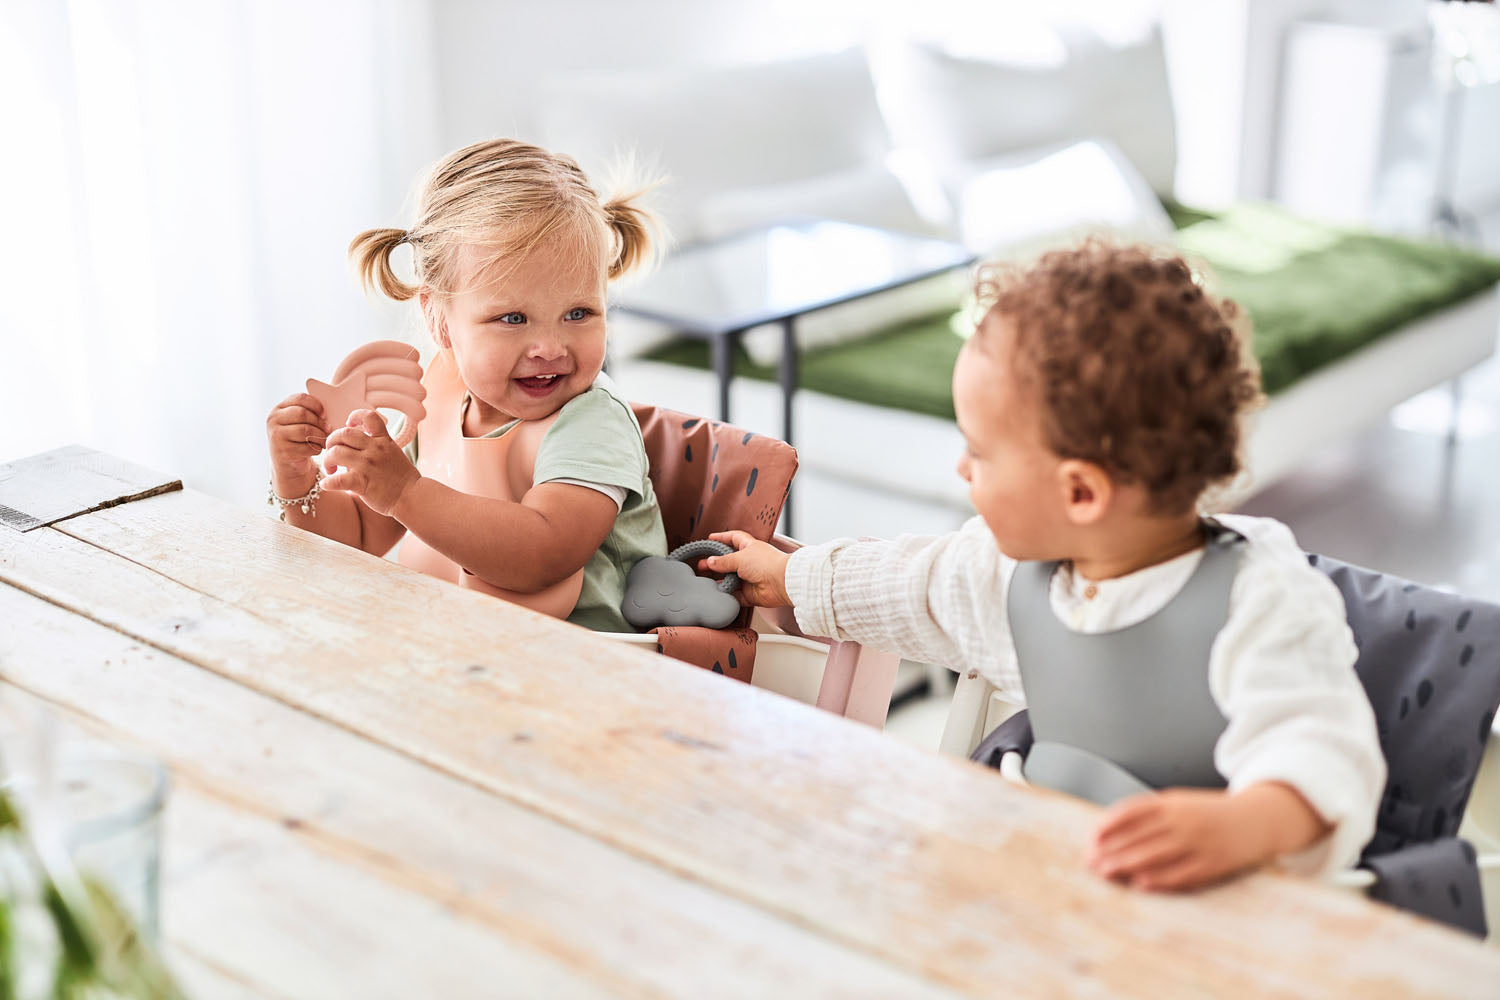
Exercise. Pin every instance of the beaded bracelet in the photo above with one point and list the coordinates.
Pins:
(308, 501)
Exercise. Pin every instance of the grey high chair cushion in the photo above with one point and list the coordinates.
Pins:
(1430, 663)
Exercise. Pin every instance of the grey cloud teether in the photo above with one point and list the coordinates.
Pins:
(664, 590)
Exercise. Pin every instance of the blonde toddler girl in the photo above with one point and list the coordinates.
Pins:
(527, 478)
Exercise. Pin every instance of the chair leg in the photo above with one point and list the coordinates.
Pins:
(965, 726)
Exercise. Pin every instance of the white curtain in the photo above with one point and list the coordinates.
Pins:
(178, 183)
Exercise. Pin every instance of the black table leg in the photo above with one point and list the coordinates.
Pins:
(788, 374)
(787, 371)
(722, 348)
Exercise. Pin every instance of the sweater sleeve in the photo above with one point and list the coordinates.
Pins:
(934, 599)
(1282, 672)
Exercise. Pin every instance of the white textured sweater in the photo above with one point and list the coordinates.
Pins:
(1281, 670)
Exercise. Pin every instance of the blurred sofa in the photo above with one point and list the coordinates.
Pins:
(1007, 157)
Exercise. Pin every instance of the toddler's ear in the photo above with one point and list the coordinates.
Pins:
(1086, 489)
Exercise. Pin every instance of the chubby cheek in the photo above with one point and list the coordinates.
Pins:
(990, 506)
(488, 365)
(588, 361)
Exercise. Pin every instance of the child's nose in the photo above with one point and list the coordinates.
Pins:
(963, 467)
(548, 345)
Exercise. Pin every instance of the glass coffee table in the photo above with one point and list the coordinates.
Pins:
(717, 290)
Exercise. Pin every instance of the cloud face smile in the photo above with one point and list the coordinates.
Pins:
(664, 591)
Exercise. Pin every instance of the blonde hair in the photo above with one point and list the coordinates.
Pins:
(507, 197)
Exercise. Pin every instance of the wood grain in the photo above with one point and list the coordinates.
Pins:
(56, 484)
(927, 863)
(641, 930)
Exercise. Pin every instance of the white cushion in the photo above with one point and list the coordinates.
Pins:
(962, 109)
(872, 195)
(716, 129)
(1021, 202)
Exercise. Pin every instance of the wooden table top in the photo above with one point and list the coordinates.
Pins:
(384, 785)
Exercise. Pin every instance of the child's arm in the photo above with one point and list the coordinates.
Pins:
(1182, 838)
(934, 599)
(1300, 750)
(526, 547)
(296, 432)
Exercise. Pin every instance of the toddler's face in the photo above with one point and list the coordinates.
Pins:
(1013, 477)
(527, 336)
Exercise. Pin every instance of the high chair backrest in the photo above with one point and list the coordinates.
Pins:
(1430, 663)
(710, 476)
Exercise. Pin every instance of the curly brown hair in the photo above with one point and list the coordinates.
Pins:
(1136, 368)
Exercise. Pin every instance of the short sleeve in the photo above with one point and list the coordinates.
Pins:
(594, 439)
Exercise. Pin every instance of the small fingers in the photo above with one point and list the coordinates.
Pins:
(305, 400)
(345, 480)
(1119, 842)
(738, 539)
(1127, 813)
(369, 421)
(1187, 872)
(339, 455)
(1142, 857)
(353, 438)
(287, 416)
(721, 564)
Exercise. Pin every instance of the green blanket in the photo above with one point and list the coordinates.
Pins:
(1314, 293)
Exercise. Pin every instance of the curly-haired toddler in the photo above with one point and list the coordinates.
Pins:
(1193, 674)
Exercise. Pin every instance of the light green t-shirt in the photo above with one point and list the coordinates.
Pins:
(597, 439)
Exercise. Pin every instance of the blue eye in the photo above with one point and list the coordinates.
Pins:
(579, 313)
(511, 319)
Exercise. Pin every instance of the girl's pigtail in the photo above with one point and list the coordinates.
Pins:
(371, 253)
(634, 228)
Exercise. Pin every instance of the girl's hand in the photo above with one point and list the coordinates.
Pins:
(375, 469)
(761, 568)
(1183, 838)
(296, 432)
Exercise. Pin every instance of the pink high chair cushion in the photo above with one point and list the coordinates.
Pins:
(711, 476)
(727, 651)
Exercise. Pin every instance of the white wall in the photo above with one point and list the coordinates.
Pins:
(496, 57)
(190, 171)
(180, 181)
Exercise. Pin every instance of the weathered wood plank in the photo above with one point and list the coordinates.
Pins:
(635, 926)
(201, 979)
(927, 862)
(56, 484)
(280, 910)
(280, 914)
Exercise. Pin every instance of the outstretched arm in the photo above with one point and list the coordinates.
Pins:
(526, 547)
(934, 599)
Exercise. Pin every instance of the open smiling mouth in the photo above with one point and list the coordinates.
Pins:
(538, 385)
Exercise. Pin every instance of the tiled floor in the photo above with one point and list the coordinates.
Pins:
(1393, 498)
